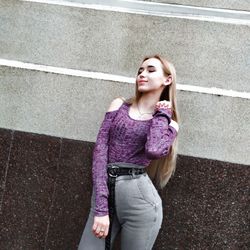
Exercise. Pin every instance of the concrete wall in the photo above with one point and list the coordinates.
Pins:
(205, 54)
(69, 106)
(50, 116)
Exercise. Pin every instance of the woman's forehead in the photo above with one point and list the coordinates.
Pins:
(152, 62)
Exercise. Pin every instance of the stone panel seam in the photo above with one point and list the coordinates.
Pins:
(53, 198)
(118, 78)
(159, 9)
(6, 170)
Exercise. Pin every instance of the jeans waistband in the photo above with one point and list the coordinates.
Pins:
(125, 165)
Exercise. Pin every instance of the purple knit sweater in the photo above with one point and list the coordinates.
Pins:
(124, 139)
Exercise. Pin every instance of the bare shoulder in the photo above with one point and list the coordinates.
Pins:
(116, 103)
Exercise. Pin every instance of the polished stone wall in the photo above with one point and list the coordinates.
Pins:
(46, 189)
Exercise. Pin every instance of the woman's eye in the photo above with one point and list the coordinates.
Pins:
(150, 71)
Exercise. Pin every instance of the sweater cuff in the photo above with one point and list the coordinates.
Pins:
(164, 112)
(99, 214)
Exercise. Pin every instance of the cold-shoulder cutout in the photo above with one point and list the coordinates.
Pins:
(116, 104)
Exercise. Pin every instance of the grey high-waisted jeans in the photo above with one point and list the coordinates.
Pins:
(138, 214)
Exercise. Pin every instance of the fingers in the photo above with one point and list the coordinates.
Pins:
(103, 234)
(163, 104)
(94, 226)
(101, 226)
(106, 231)
(101, 231)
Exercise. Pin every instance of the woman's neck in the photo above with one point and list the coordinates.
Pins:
(148, 101)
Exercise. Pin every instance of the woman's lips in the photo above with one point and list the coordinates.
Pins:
(141, 81)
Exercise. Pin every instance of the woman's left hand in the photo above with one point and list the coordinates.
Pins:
(163, 104)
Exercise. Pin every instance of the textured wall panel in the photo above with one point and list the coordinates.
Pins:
(48, 190)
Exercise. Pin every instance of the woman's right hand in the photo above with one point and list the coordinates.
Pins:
(101, 226)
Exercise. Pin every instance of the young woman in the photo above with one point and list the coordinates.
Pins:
(137, 134)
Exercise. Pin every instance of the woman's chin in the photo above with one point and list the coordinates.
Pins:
(141, 88)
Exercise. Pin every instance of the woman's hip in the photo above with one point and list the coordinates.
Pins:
(137, 200)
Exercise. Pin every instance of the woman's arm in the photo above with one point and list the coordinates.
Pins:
(162, 134)
(99, 172)
(100, 159)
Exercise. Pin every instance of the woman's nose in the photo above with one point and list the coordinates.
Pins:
(142, 75)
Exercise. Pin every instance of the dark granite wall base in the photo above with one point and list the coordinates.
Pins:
(46, 188)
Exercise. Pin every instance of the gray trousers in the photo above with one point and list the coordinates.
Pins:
(138, 215)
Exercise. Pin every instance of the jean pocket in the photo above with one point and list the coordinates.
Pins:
(148, 191)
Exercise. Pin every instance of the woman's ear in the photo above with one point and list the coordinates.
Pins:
(168, 80)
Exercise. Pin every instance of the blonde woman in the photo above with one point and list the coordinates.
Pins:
(136, 145)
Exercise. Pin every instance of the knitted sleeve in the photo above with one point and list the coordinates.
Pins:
(99, 165)
(161, 136)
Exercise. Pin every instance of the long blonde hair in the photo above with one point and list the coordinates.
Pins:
(162, 169)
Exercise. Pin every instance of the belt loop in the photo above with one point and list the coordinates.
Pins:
(132, 172)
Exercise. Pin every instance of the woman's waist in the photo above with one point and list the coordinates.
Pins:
(125, 170)
(126, 165)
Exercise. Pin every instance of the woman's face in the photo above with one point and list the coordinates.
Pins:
(150, 76)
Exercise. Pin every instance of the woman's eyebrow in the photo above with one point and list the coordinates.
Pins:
(151, 66)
